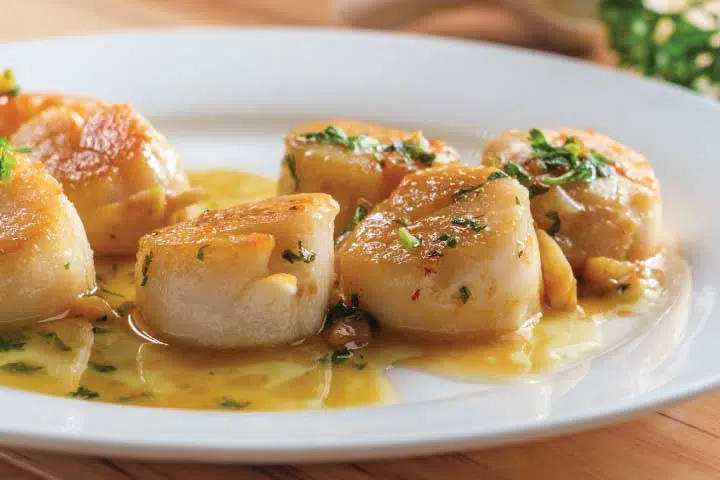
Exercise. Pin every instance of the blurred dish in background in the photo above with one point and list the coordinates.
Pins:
(675, 40)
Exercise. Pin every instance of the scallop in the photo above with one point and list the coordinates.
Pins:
(18, 109)
(46, 264)
(615, 213)
(256, 274)
(122, 175)
(358, 163)
(452, 253)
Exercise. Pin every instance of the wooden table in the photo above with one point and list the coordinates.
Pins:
(682, 442)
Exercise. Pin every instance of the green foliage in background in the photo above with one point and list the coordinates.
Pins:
(678, 41)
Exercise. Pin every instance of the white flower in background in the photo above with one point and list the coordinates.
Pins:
(704, 60)
(664, 30)
(667, 6)
(705, 86)
(705, 16)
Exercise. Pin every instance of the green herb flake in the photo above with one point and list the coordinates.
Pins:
(569, 163)
(67, 265)
(303, 255)
(12, 342)
(335, 136)
(449, 240)
(102, 367)
(464, 294)
(408, 240)
(201, 252)
(623, 287)
(55, 340)
(554, 229)
(21, 368)
(289, 161)
(360, 213)
(476, 226)
(227, 402)
(145, 267)
(7, 157)
(463, 193)
(83, 394)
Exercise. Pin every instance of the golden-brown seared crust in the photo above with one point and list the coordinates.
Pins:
(121, 174)
(18, 109)
(351, 178)
(25, 209)
(267, 216)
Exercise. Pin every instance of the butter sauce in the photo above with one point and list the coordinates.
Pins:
(108, 360)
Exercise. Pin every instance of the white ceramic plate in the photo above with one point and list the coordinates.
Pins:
(225, 97)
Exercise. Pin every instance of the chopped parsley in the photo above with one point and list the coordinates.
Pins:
(414, 149)
(290, 163)
(304, 255)
(469, 221)
(360, 213)
(83, 394)
(227, 402)
(554, 229)
(145, 267)
(67, 265)
(335, 136)
(12, 342)
(462, 194)
(464, 294)
(409, 240)
(449, 240)
(523, 177)
(102, 367)
(573, 160)
(7, 157)
(133, 396)
(55, 340)
(8, 84)
(200, 255)
(21, 368)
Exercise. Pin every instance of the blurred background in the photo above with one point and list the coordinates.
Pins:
(675, 40)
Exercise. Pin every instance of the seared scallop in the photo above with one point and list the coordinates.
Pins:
(46, 262)
(121, 174)
(256, 274)
(359, 164)
(595, 196)
(18, 108)
(452, 252)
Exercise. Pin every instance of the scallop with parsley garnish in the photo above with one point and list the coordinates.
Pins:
(122, 175)
(594, 196)
(46, 264)
(358, 163)
(452, 252)
(256, 274)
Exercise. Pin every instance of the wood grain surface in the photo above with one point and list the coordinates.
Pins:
(682, 442)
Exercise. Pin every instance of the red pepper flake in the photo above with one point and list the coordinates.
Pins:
(429, 271)
(416, 294)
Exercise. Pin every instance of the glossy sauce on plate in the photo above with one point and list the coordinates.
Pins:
(110, 360)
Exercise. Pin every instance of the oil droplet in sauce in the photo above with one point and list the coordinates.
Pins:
(106, 359)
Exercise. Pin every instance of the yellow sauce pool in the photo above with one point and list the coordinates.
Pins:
(105, 360)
